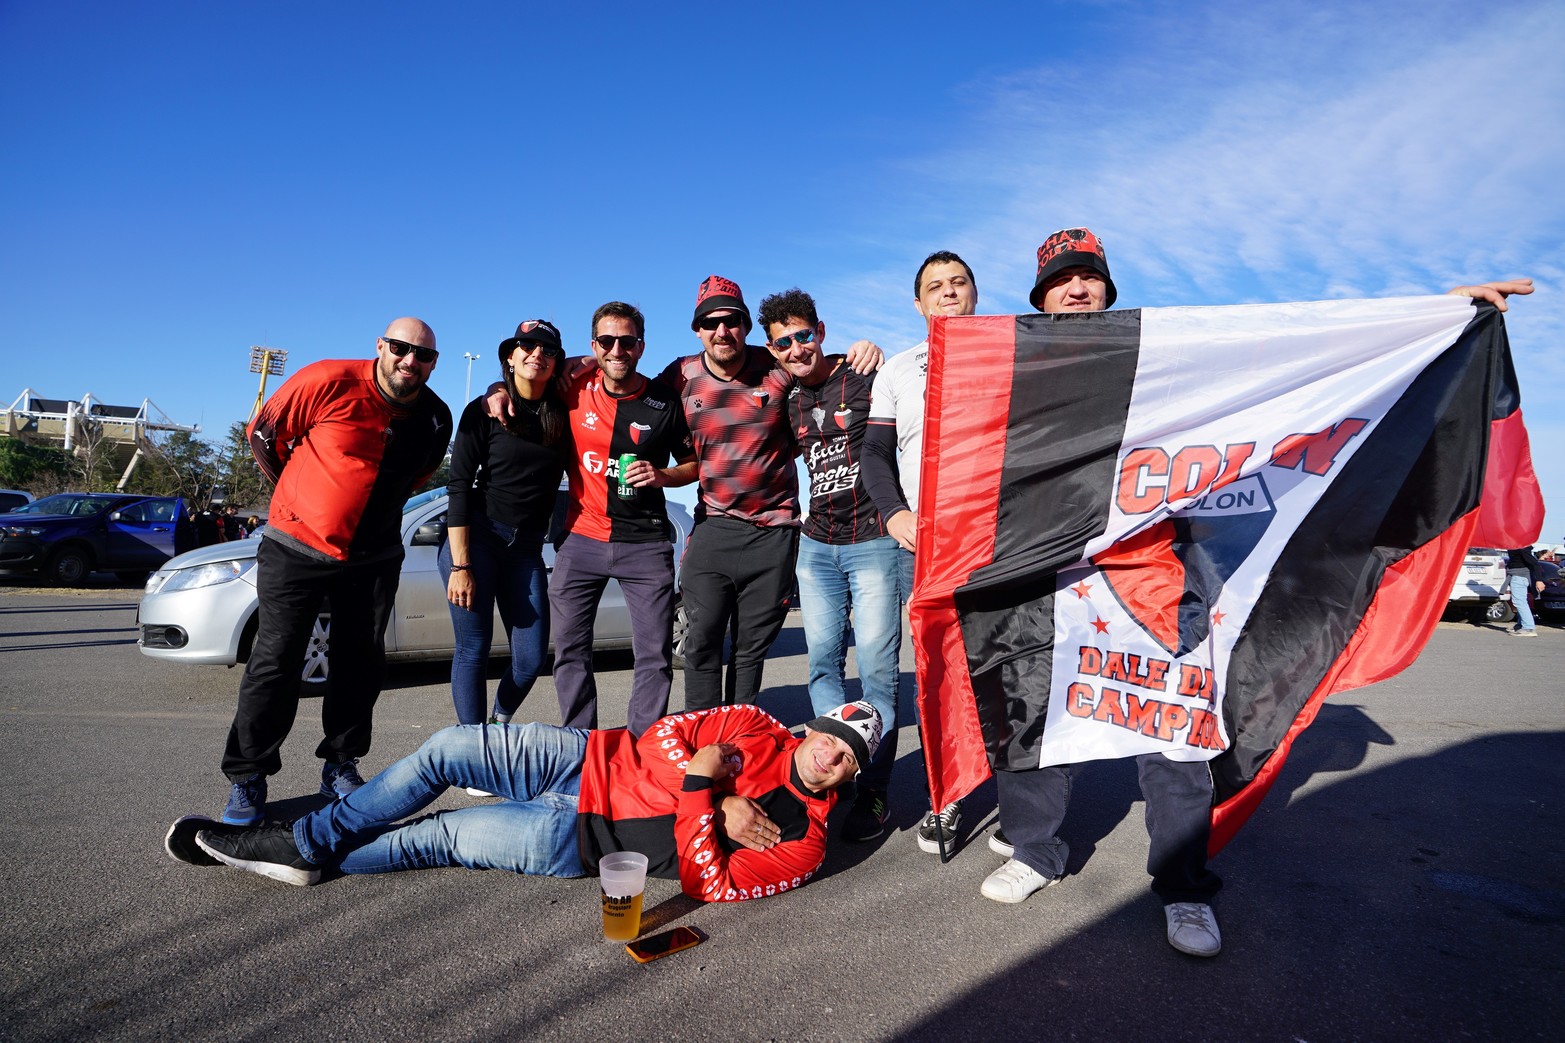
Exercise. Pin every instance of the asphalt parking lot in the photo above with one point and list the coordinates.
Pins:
(1403, 880)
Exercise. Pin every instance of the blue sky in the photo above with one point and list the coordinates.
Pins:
(184, 180)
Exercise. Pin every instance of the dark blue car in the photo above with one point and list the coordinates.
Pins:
(66, 537)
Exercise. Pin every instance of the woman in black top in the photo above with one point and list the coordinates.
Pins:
(503, 481)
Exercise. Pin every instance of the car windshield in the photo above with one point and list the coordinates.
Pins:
(419, 500)
(66, 503)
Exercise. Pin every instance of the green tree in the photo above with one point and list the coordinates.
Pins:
(184, 466)
(39, 469)
(239, 474)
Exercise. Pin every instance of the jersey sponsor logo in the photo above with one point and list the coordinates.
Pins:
(819, 416)
(638, 431)
(589, 420)
(655, 403)
(592, 462)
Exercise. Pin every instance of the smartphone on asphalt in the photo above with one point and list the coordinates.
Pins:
(645, 950)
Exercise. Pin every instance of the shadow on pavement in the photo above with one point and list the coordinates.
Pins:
(1424, 900)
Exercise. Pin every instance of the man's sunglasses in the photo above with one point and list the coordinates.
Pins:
(711, 322)
(626, 342)
(400, 348)
(802, 337)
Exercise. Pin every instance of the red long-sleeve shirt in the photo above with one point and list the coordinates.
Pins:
(635, 797)
(345, 459)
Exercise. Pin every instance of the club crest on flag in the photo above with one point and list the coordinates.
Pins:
(1169, 576)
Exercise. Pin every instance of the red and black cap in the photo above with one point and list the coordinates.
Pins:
(857, 724)
(1071, 248)
(533, 331)
(717, 293)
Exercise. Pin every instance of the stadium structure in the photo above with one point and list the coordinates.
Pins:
(122, 434)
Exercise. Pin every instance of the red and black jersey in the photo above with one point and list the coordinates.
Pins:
(648, 424)
(345, 459)
(635, 797)
(829, 421)
(742, 438)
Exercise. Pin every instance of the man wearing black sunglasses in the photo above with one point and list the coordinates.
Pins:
(738, 568)
(346, 443)
(617, 526)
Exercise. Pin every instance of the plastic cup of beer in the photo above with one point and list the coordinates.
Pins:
(623, 877)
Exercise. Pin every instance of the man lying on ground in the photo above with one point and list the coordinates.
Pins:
(726, 800)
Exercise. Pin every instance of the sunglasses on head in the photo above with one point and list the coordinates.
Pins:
(802, 337)
(400, 348)
(626, 342)
(711, 322)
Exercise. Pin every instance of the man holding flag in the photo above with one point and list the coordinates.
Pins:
(1178, 563)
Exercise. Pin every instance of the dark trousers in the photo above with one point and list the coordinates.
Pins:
(1178, 797)
(292, 588)
(645, 571)
(733, 571)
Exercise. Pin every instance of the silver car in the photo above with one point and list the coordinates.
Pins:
(201, 606)
(1482, 587)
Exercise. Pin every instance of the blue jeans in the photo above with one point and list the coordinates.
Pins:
(536, 767)
(1521, 583)
(508, 570)
(862, 579)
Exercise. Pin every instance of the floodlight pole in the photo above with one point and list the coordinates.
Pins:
(467, 393)
(267, 362)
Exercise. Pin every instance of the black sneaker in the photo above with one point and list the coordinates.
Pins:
(1000, 845)
(339, 780)
(940, 827)
(867, 817)
(268, 849)
(180, 843)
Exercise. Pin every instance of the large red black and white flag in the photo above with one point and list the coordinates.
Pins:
(1177, 530)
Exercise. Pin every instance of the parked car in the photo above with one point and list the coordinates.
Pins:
(1481, 587)
(68, 536)
(1551, 602)
(201, 606)
(11, 499)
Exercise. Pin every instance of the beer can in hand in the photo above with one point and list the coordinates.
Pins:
(626, 490)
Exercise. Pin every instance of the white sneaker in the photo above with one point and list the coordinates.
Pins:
(1014, 882)
(1193, 929)
(474, 791)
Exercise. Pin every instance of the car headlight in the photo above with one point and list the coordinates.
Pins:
(200, 576)
(21, 530)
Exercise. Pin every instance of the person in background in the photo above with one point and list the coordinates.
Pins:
(1525, 575)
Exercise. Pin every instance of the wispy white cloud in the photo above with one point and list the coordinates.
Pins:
(1341, 152)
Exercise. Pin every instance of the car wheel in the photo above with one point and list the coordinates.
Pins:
(317, 664)
(69, 567)
(681, 632)
(1499, 612)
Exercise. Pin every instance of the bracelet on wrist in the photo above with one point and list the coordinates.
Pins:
(461, 568)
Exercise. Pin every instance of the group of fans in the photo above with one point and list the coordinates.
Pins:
(720, 796)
